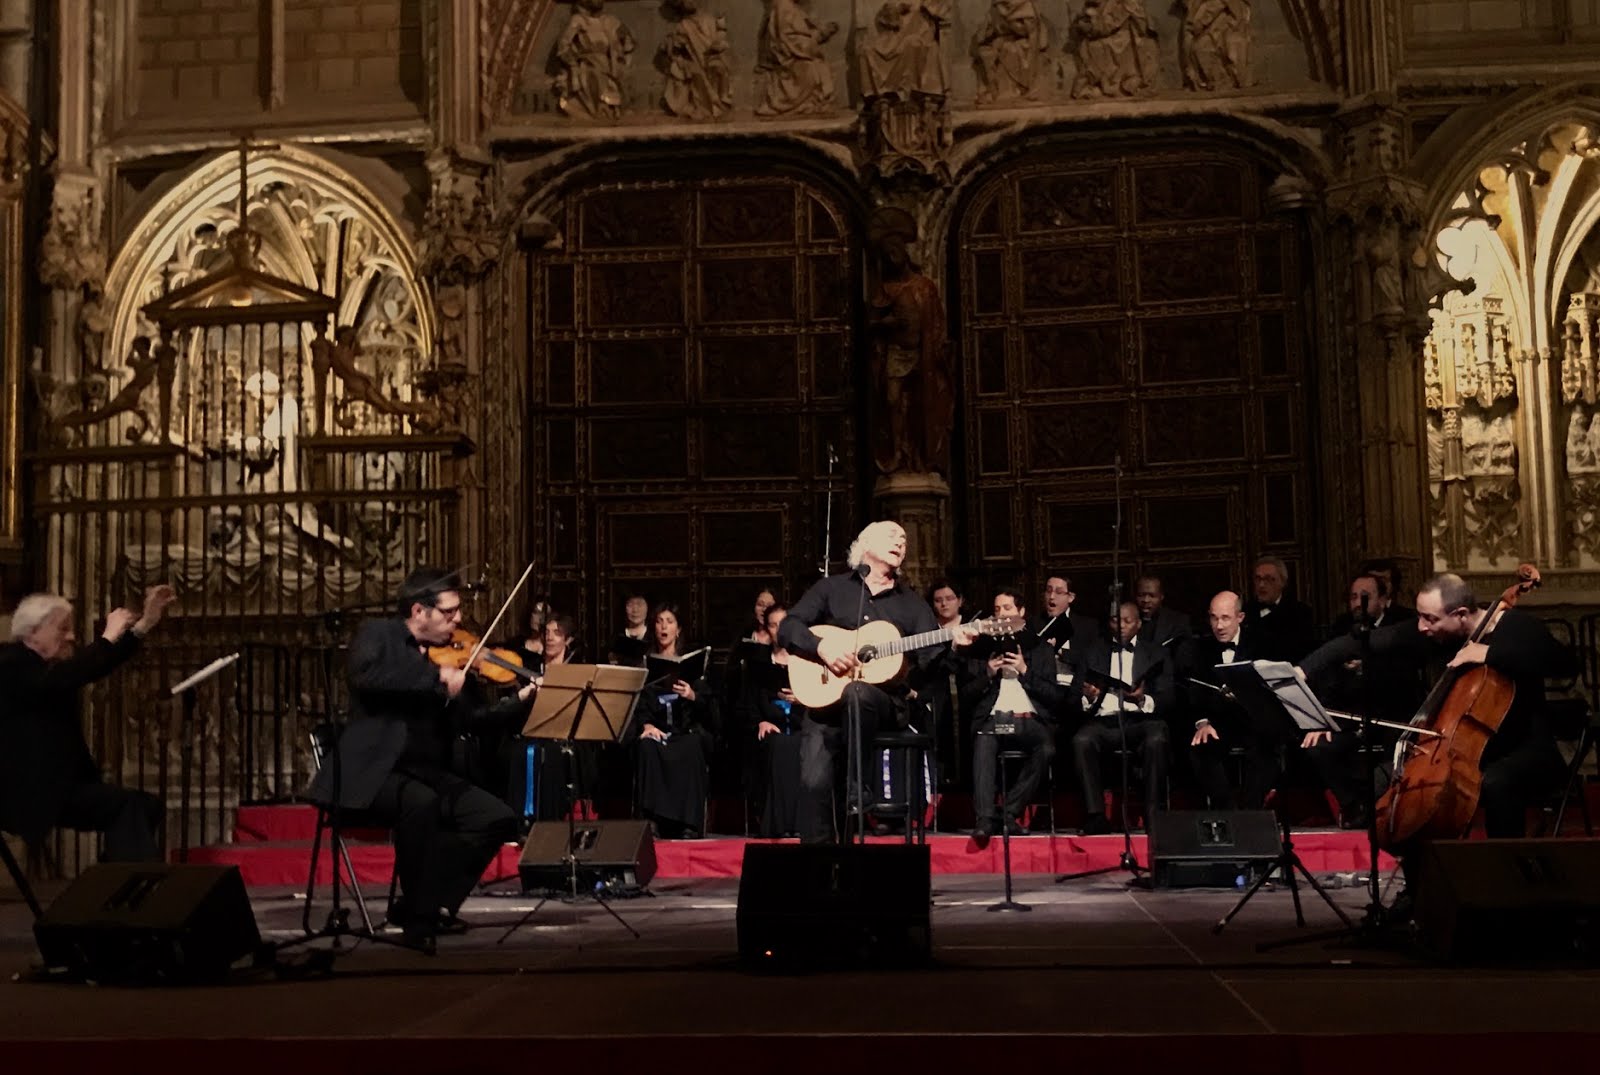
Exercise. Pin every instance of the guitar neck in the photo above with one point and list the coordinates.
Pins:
(915, 642)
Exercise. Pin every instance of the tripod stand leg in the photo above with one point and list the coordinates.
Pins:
(1249, 892)
(523, 921)
(1294, 890)
(620, 921)
(1319, 890)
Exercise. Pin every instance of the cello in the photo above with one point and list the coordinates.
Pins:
(1437, 779)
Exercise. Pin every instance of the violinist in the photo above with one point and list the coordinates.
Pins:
(393, 758)
(1521, 764)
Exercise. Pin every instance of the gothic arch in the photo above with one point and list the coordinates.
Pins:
(321, 227)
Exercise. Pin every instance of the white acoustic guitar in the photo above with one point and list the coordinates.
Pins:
(881, 651)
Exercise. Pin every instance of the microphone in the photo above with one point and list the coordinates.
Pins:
(833, 459)
(863, 569)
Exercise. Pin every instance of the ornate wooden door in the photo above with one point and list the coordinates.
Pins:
(690, 372)
(1140, 305)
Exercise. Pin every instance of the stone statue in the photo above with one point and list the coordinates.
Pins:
(694, 59)
(905, 82)
(1580, 453)
(91, 333)
(145, 367)
(914, 400)
(792, 75)
(1114, 43)
(1381, 254)
(591, 54)
(1011, 53)
(1214, 45)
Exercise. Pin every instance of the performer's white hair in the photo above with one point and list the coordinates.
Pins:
(34, 611)
(876, 538)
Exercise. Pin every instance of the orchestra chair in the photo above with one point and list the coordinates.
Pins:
(1111, 761)
(918, 747)
(323, 737)
(1574, 727)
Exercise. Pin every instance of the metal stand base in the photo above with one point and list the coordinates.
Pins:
(1287, 863)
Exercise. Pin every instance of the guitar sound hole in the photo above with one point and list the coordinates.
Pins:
(868, 653)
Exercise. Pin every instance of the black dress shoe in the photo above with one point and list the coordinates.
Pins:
(1015, 828)
(1095, 825)
(1354, 819)
(985, 828)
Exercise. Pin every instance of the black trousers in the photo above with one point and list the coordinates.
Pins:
(1147, 735)
(822, 735)
(446, 832)
(130, 820)
(1337, 764)
(1515, 781)
(781, 798)
(1263, 764)
(1033, 735)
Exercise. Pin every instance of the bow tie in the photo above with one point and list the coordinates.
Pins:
(1126, 647)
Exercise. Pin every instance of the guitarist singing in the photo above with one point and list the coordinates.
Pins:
(870, 592)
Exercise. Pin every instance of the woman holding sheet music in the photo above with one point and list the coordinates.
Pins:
(673, 719)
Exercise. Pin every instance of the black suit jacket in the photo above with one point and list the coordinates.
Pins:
(1286, 633)
(401, 716)
(1157, 686)
(1168, 628)
(1204, 653)
(42, 750)
(979, 690)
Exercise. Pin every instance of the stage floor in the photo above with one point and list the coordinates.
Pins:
(1098, 973)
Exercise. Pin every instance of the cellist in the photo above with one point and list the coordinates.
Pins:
(1521, 764)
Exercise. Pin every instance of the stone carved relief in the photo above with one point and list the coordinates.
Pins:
(458, 239)
(1214, 43)
(905, 85)
(914, 401)
(72, 252)
(1011, 54)
(694, 59)
(1114, 44)
(792, 73)
(591, 56)
(1580, 357)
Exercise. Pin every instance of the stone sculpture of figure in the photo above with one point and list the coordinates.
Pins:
(1502, 446)
(1114, 44)
(1215, 43)
(905, 83)
(591, 54)
(1580, 453)
(1594, 440)
(914, 400)
(1011, 53)
(91, 332)
(146, 367)
(792, 75)
(1381, 252)
(694, 59)
(1475, 448)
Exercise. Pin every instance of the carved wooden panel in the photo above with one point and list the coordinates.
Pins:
(692, 364)
(1140, 305)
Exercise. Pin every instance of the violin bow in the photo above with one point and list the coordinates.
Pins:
(483, 639)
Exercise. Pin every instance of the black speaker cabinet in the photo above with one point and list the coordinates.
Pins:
(1211, 848)
(1497, 900)
(149, 922)
(610, 854)
(808, 907)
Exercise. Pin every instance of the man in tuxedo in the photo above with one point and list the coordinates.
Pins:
(1068, 632)
(1285, 629)
(1011, 684)
(1143, 709)
(1388, 571)
(1392, 685)
(393, 758)
(1160, 626)
(47, 775)
(1221, 723)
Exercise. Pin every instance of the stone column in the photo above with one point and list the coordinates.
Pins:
(921, 504)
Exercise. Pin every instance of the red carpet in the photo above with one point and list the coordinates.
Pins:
(272, 846)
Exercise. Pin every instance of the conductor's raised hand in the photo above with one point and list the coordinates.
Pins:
(117, 623)
(157, 599)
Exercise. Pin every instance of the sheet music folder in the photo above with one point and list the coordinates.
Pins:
(1270, 689)
(600, 697)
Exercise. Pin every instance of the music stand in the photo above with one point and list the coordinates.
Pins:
(185, 740)
(581, 703)
(1269, 691)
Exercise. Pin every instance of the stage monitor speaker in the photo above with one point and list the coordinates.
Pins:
(1517, 900)
(149, 922)
(1211, 848)
(804, 907)
(610, 854)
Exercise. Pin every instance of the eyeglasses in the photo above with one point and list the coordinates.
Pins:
(448, 612)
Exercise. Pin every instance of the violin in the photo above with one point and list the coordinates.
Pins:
(501, 666)
(1437, 779)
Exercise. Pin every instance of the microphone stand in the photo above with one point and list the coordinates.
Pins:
(855, 762)
(1128, 861)
(827, 516)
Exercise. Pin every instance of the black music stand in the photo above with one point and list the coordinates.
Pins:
(581, 703)
(1272, 693)
(186, 741)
